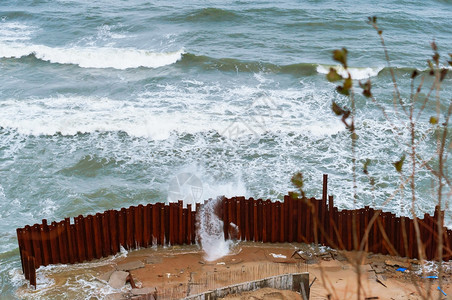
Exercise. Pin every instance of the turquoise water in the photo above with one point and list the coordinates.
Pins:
(103, 105)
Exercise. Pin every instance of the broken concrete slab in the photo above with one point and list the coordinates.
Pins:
(115, 296)
(378, 268)
(132, 265)
(118, 279)
(104, 277)
(143, 291)
(150, 260)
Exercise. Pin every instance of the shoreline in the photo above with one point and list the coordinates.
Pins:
(176, 270)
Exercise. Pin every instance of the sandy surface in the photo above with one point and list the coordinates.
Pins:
(181, 270)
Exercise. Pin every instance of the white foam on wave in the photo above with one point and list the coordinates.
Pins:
(93, 57)
(15, 32)
(356, 73)
(191, 107)
(72, 115)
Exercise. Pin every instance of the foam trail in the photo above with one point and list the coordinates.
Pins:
(357, 73)
(210, 232)
(93, 57)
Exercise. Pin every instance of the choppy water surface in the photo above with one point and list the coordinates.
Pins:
(103, 104)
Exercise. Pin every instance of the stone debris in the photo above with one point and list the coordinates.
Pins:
(378, 267)
(133, 265)
(394, 263)
(115, 296)
(143, 291)
(118, 279)
(104, 277)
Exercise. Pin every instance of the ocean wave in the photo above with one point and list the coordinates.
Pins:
(356, 73)
(93, 57)
(211, 14)
(237, 65)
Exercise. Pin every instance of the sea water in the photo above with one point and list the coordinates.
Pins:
(104, 104)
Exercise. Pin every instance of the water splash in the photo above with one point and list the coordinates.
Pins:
(210, 232)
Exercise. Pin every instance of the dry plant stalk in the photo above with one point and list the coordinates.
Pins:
(406, 112)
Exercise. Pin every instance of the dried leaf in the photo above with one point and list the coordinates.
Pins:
(341, 90)
(443, 74)
(297, 180)
(366, 88)
(433, 120)
(341, 56)
(337, 109)
(434, 47)
(366, 165)
(348, 83)
(372, 19)
(436, 57)
(333, 76)
(399, 164)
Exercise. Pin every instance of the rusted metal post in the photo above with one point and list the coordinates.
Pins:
(81, 241)
(239, 218)
(289, 216)
(189, 223)
(114, 230)
(180, 208)
(97, 235)
(265, 220)
(129, 227)
(54, 245)
(106, 249)
(26, 265)
(280, 206)
(323, 209)
(331, 220)
(147, 225)
(32, 265)
(45, 240)
(37, 245)
(247, 219)
(155, 224)
(163, 219)
(255, 206)
(138, 228)
(62, 242)
(87, 222)
(225, 218)
(20, 241)
(122, 226)
(300, 219)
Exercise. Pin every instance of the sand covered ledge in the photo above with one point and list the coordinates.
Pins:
(178, 270)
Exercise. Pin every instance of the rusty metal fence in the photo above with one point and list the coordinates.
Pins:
(292, 220)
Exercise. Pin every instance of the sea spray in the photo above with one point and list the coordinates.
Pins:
(210, 232)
